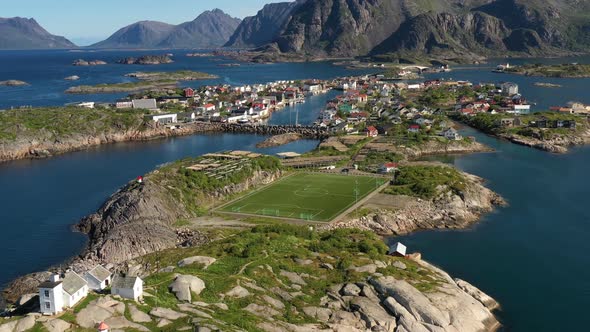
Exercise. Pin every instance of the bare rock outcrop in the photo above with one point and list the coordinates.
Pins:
(448, 210)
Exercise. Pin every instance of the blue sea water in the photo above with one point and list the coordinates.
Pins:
(531, 256)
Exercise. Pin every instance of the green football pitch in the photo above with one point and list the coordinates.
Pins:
(306, 196)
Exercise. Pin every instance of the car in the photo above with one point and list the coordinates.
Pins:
(345, 171)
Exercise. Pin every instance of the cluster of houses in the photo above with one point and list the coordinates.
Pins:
(369, 100)
(222, 103)
(60, 292)
(496, 99)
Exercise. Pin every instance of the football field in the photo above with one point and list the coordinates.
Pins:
(306, 196)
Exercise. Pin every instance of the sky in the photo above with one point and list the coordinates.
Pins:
(86, 21)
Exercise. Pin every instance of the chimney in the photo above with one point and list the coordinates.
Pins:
(54, 278)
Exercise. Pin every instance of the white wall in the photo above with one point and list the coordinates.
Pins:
(55, 299)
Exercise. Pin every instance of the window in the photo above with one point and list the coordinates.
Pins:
(47, 305)
(46, 293)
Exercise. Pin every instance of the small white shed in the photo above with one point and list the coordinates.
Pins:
(398, 250)
(98, 278)
(127, 287)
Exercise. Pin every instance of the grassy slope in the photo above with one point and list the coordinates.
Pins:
(62, 122)
(244, 257)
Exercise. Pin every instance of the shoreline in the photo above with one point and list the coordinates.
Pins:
(33, 149)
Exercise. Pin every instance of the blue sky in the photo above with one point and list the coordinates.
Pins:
(88, 21)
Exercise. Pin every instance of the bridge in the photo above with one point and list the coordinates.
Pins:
(419, 68)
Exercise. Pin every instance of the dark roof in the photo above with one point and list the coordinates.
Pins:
(124, 282)
(50, 284)
(73, 283)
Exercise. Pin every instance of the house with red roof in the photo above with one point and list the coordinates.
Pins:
(388, 168)
(372, 131)
(414, 128)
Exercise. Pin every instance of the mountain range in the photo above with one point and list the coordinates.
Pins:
(211, 29)
(438, 28)
(384, 29)
(23, 33)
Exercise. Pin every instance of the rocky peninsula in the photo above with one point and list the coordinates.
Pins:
(272, 277)
(84, 63)
(548, 131)
(146, 60)
(13, 83)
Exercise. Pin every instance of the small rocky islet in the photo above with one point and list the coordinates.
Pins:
(13, 83)
(146, 60)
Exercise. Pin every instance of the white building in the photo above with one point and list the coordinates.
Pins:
(51, 296)
(165, 118)
(452, 135)
(509, 88)
(98, 278)
(128, 287)
(398, 249)
(75, 288)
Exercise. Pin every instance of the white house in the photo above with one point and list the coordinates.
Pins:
(127, 287)
(165, 118)
(509, 88)
(75, 288)
(388, 168)
(398, 249)
(98, 278)
(452, 134)
(51, 296)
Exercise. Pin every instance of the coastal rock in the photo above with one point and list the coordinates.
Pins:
(13, 83)
(146, 60)
(443, 212)
(20, 325)
(477, 294)
(186, 285)
(293, 277)
(84, 63)
(279, 140)
(205, 261)
(238, 292)
(122, 323)
(166, 313)
(57, 325)
(137, 315)
(261, 311)
(351, 290)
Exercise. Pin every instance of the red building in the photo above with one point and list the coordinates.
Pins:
(189, 93)
(372, 131)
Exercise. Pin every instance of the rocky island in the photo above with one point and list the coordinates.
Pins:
(122, 87)
(571, 70)
(146, 60)
(181, 75)
(84, 63)
(553, 132)
(271, 276)
(13, 83)
(279, 140)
